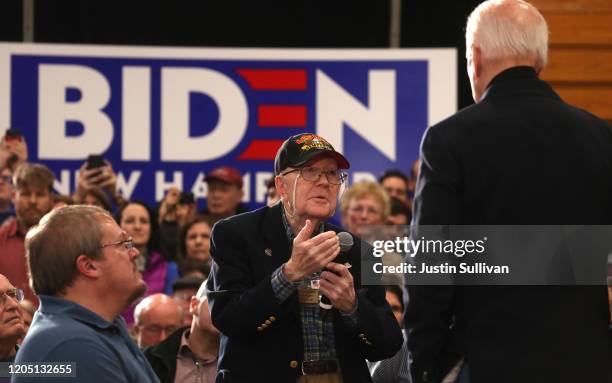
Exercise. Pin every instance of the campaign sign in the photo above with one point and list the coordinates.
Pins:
(166, 116)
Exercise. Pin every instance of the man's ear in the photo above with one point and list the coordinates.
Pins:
(87, 266)
(281, 190)
(193, 306)
(477, 61)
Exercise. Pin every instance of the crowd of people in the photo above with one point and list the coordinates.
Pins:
(174, 294)
(173, 245)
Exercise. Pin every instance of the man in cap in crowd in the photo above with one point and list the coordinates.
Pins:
(82, 267)
(225, 193)
(32, 198)
(190, 353)
(271, 269)
(155, 318)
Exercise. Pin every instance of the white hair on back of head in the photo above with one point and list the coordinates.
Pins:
(504, 29)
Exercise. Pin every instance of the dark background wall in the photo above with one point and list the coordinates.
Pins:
(289, 23)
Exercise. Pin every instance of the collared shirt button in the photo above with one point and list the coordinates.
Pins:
(293, 364)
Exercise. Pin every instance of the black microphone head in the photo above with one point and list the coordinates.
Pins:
(346, 241)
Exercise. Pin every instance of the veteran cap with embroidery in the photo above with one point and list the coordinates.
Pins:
(301, 148)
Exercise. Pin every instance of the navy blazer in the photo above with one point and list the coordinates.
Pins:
(519, 156)
(246, 249)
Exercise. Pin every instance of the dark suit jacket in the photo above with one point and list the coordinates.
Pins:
(162, 356)
(246, 249)
(520, 156)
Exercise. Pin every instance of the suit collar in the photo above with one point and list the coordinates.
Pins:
(272, 228)
(167, 349)
(521, 80)
(277, 245)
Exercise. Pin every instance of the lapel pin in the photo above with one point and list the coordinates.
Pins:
(268, 252)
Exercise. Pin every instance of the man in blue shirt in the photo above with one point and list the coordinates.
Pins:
(81, 265)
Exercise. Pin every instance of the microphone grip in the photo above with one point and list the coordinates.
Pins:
(324, 301)
(346, 243)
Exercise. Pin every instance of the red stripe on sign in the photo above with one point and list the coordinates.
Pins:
(275, 79)
(261, 150)
(281, 115)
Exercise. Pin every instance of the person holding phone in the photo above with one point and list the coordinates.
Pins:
(7, 209)
(97, 173)
(13, 149)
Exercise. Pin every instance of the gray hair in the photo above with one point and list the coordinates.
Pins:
(53, 246)
(363, 189)
(508, 29)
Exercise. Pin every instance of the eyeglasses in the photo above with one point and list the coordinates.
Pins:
(156, 330)
(128, 244)
(15, 294)
(362, 209)
(7, 179)
(312, 174)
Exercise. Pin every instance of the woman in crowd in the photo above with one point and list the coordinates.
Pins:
(364, 203)
(139, 221)
(194, 240)
(96, 196)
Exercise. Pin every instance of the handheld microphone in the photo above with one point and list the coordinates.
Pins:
(346, 244)
(346, 241)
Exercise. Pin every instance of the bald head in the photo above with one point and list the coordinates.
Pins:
(156, 317)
